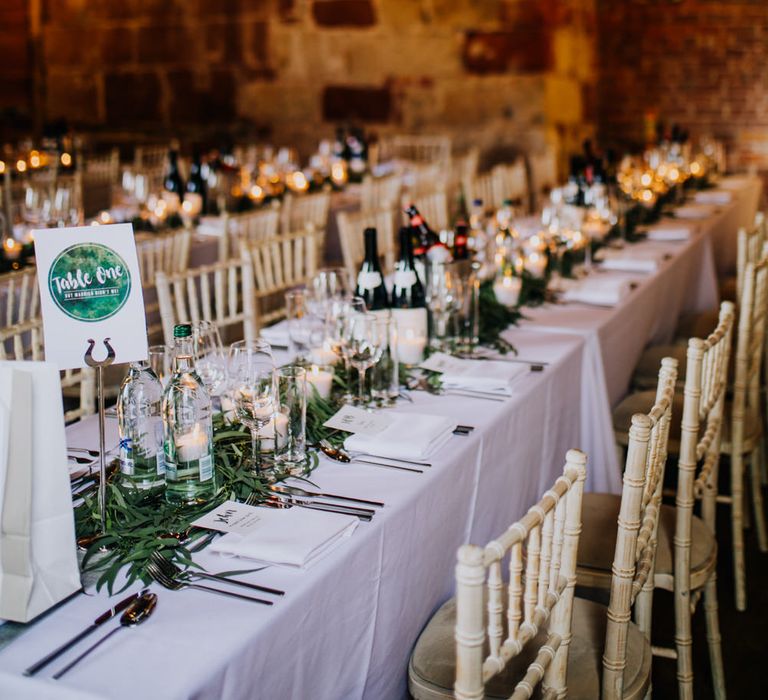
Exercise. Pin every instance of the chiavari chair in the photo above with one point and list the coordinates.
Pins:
(351, 227)
(686, 558)
(380, 193)
(222, 293)
(514, 181)
(287, 261)
(543, 174)
(300, 211)
(417, 149)
(166, 252)
(19, 297)
(250, 227)
(487, 186)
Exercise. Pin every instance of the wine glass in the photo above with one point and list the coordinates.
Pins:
(160, 362)
(305, 328)
(329, 284)
(252, 384)
(336, 337)
(442, 297)
(210, 362)
(366, 339)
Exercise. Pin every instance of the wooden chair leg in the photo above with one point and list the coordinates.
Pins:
(757, 498)
(713, 637)
(737, 529)
(684, 643)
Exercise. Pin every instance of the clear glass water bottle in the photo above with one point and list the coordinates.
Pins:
(190, 474)
(140, 427)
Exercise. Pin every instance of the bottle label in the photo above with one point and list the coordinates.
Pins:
(405, 279)
(160, 463)
(126, 465)
(205, 465)
(368, 280)
(170, 471)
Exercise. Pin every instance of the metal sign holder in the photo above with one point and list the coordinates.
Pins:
(99, 367)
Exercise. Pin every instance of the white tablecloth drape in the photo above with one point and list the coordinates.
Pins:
(345, 627)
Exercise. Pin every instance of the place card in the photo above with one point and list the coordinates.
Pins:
(90, 292)
(352, 419)
(230, 516)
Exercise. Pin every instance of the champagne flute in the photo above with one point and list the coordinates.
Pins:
(209, 357)
(365, 344)
(252, 381)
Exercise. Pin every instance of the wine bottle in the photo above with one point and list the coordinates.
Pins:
(370, 281)
(172, 181)
(409, 305)
(407, 290)
(426, 243)
(140, 427)
(460, 241)
(190, 474)
(196, 185)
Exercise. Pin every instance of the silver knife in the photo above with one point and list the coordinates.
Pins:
(100, 620)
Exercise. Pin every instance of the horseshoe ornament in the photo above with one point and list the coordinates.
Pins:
(108, 360)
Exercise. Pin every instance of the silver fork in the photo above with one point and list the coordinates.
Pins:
(275, 501)
(169, 568)
(173, 584)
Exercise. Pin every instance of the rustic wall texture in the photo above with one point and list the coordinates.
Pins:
(518, 72)
(515, 71)
(701, 63)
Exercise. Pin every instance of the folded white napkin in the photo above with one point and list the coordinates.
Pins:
(694, 211)
(276, 335)
(410, 436)
(669, 231)
(713, 197)
(289, 536)
(484, 375)
(630, 260)
(600, 290)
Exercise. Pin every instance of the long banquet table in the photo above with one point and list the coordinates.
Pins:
(346, 626)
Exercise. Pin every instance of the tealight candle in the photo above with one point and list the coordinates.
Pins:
(536, 264)
(276, 427)
(410, 347)
(11, 248)
(193, 204)
(323, 356)
(192, 445)
(507, 290)
(322, 379)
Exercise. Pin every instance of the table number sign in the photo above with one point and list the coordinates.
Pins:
(90, 288)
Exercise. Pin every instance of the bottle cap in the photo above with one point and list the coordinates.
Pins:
(182, 330)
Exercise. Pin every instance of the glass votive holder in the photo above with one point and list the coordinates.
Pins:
(291, 453)
(385, 375)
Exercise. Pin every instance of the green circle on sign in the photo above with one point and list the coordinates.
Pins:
(89, 282)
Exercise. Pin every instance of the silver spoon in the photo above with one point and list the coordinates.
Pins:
(341, 455)
(135, 614)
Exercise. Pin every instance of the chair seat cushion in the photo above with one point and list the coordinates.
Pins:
(432, 668)
(600, 514)
(642, 402)
(646, 374)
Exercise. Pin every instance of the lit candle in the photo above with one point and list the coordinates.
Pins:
(410, 346)
(171, 201)
(322, 379)
(277, 426)
(323, 356)
(12, 249)
(536, 264)
(192, 445)
(339, 172)
(507, 291)
(193, 204)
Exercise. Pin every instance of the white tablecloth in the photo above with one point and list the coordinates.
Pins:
(345, 627)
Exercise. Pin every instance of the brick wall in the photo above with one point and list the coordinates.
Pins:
(513, 71)
(701, 63)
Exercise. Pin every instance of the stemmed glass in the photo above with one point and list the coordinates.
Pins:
(305, 327)
(328, 285)
(442, 298)
(336, 332)
(252, 383)
(366, 340)
(160, 362)
(210, 362)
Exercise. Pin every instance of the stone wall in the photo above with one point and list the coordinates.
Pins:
(495, 71)
(701, 63)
